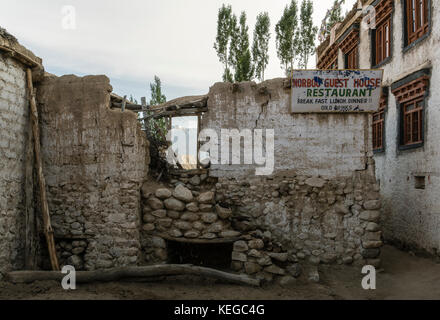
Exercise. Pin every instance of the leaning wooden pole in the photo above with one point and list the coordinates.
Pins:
(48, 231)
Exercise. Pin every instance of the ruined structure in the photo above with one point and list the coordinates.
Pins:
(319, 205)
(404, 43)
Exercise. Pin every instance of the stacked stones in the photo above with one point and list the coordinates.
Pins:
(183, 213)
(267, 262)
(316, 219)
(72, 253)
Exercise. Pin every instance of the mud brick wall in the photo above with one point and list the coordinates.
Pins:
(95, 161)
(14, 131)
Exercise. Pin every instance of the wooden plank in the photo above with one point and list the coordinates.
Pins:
(124, 103)
(116, 274)
(30, 223)
(48, 231)
(199, 241)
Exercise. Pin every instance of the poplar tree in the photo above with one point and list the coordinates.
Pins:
(307, 33)
(335, 15)
(240, 53)
(260, 47)
(287, 37)
(223, 39)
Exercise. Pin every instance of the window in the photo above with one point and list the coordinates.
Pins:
(379, 125)
(412, 122)
(351, 59)
(411, 94)
(383, 41)
(349, 47)
(382, 35)
(417, 19)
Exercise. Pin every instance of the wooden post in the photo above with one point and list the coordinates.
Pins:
(124, 103)
(31, 226)
(48, 231)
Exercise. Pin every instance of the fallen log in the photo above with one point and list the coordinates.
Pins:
(116, 274)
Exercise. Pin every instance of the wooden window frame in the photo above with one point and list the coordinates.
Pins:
(382, 51)
(382, 42)
(379, 125)
(412, 91)
(413, 122)
(417, 20)
(351, 59)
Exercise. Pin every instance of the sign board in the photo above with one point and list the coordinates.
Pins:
(334, 91)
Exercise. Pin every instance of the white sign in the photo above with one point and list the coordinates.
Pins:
(336, 90)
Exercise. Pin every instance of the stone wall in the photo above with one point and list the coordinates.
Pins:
(95, 161)
(321, 204)
(14, 132)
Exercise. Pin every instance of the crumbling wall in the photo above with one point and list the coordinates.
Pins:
(14, 132)
(95, 161)
(321, 203)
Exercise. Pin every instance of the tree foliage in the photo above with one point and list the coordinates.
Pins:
(307, 33)
(240, 55)
(157, 127)
(260, 47)
(335, 15)
(223, 39)
(287, 37)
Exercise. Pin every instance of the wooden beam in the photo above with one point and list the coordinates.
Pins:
(48, 231)
(133, 273)
(124, 103)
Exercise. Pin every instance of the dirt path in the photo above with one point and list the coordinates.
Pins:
(404, 276)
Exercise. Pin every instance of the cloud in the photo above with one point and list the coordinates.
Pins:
(131, 41)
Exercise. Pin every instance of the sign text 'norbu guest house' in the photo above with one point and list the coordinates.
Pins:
(336, 90)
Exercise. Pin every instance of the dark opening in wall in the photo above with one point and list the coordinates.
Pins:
(212, 255)
(420, 182)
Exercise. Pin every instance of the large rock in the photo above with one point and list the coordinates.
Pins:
(216, 227)
(282, 257)
(183, 225)
(206, 207)
(315, 182)
(275, 270)
(252, 267)
(370, 215)
(206, 197)
(190, 216)
(265, 261)
(256, 244)
(192, 234)
(183, 193)
(159, 213)
(229, 234)
(372, 205)
(174, 204)
(223, 213)
(287, 281)
(240, 246)
(163, 193)
(209, 217)
(155, 203)
(239, 256)
(192, 206)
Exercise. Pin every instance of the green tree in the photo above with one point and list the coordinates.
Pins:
(223, 39)
(287, 37)
(335, 15)
(157, 97)
(307, 33)
(260, 47)
(156, 92)
(240, 55)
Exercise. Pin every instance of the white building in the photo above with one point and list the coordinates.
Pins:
(405, 43)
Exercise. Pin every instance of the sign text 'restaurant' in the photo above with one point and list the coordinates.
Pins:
(336, 90)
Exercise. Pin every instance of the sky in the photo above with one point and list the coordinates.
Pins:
(131, 41)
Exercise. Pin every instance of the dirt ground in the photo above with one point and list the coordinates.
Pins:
(403, 276)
